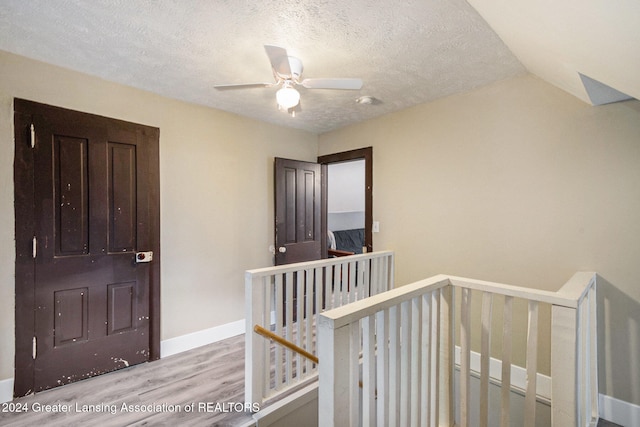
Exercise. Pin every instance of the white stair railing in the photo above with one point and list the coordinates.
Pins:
(287, 300)
(574, 354)
(400, 344)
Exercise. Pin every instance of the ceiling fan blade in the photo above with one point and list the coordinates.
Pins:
(279, 59)
(243, 86)
(353, 84)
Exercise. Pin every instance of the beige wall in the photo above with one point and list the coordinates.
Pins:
(216, 172)
(518, 183)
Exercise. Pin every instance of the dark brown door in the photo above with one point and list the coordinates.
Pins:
(298, 208)
(95, 206)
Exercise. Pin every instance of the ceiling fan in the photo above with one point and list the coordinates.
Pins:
(286, 72)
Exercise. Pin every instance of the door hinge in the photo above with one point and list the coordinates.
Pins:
(34, 247)
(33, 136)
(35, 348)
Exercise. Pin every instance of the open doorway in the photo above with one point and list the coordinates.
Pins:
(345, 208)
(347, 201)
(299, 210)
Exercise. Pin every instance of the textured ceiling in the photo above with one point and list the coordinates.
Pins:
(406, 53)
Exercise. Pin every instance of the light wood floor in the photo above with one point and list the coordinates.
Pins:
(207, 375)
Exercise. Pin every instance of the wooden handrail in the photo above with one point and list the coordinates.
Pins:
(291, 346)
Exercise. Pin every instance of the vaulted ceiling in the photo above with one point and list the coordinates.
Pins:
(406, 53)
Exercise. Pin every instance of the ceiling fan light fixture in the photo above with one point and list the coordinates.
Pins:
(287, 71)
(287, 97)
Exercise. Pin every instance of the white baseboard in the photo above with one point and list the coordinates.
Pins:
(6, 390)
(197, 339)
(618, 411)
(518, 375)
(167, 347)
(611, 409)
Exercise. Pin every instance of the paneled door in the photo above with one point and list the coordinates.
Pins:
(87, 245)
(298, 211)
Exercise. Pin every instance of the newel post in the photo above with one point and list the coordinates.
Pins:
(564, 324)
(574, 361)
(333, 376)
(254, 348)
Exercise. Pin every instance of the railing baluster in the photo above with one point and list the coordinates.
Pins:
(352, 290)
(584, 376)
(344, 283)
(394, 367)
(289, 325)
(319, 294)
(532, 366)
(505, 390)
(434, 346)
(382, 272)
(465, 356)
(354, 373)
(375, 277)
(485, 356)
(368, 371)
(363, 290)
(425, 360)
(384, 275)
(278, 329)
(390, 271)
(299, 322)
(405, 367)
(415, 365)
(593, 350)
(308, 317)
(266, 320)
(366, 278)
(446, 415)
(382, 366)
(330, 278)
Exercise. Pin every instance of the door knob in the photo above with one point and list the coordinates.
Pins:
(282, 249)
(144, 257)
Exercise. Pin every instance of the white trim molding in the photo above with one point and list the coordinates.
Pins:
(6, 390)
(618, 411)
(197, 339)
(611, 409)
(518, 375)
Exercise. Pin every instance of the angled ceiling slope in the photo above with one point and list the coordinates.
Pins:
(563, 42)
